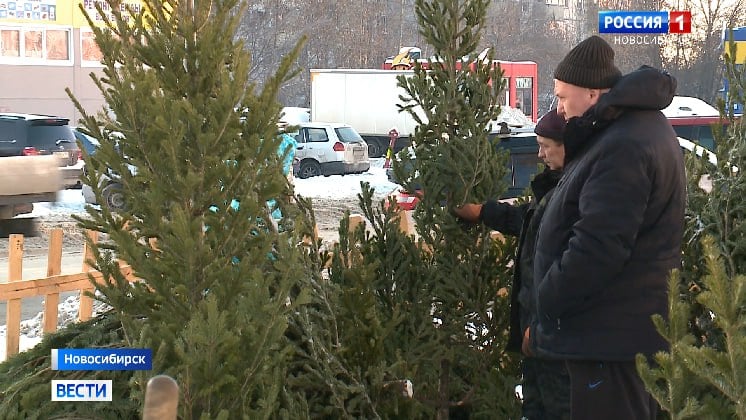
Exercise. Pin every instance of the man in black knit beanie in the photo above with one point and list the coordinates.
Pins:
(611, 233)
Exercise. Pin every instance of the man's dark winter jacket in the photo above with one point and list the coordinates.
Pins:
(612, 232)
(522, 221)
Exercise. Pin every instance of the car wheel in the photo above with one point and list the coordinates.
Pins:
(114, 197)
(374, 149)
(309, 168)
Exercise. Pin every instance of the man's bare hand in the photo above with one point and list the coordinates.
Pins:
(525, 348)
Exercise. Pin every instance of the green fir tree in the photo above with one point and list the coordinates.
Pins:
(457, 163)
(428, 310)
(217, 269)
(703, 374)
(25, 379)
(194, 145)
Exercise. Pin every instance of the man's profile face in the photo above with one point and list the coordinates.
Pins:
(573, 100)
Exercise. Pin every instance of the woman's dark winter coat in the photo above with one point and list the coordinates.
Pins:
(522, 221)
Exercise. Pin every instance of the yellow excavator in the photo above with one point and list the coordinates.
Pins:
(406, 58)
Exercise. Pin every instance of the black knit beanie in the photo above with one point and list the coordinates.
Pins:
(589, 64)
(552, 126)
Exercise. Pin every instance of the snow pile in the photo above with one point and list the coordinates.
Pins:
(340, 187)
(68, 202)
(514, 117)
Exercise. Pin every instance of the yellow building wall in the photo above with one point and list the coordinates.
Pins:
(57, 12)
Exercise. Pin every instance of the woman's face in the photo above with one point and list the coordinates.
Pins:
(551, 152)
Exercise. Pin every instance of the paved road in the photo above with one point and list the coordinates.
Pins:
(35, 267)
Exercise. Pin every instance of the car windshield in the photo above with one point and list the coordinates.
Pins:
(50, 136)
(348, 135)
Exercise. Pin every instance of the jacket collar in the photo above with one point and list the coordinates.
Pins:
(646, 88)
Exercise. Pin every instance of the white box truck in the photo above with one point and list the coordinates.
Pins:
(367, 99)
(364, 99)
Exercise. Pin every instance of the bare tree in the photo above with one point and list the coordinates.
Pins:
(362, 33)
(696, 59)
(269, 30)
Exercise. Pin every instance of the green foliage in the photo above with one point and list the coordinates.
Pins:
(25, 379)
(696, 381)
(703, 374)
(431, 309)
(252, 320)
(349, 362)
(379, 305)
(217, 270)
(720, 213)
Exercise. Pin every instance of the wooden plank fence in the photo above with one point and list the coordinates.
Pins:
(50, 287)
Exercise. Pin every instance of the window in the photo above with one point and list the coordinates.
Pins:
(32, 42)
(698, 129)
(348, 135)
(10, 45)
(524, 166)
(317, 135)
(28, 45)
(58, 44)
(685, 131)
(706, 139)
(90, 53)
(524, 93)
(505, 97)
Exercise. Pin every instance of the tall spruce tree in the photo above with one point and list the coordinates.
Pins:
(703, 374)
(457, 163)
(194, 145)
(428, 310)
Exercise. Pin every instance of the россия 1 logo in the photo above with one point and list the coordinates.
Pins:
(644, 22)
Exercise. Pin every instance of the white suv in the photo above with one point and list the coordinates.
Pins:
(329, 149)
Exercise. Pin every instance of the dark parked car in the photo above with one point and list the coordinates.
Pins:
(698, 129)
(34, 135)
(523, 163)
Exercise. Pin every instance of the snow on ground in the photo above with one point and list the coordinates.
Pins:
(334, 187)
(340, 187)
(31, 329)
(68, 202)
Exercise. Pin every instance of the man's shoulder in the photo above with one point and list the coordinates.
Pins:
(639, 125)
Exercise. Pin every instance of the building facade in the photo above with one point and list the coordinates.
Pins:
(47, 46)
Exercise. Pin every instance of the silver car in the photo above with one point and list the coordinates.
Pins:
(329, 149)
